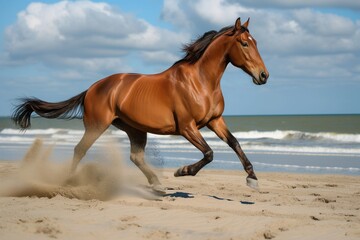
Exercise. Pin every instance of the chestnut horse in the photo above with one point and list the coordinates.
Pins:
(179, 101)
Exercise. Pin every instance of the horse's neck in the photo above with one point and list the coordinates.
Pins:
(213, 64)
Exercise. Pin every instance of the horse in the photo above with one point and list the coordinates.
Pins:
(178, 101)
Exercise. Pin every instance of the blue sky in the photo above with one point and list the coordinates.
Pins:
(55, 49)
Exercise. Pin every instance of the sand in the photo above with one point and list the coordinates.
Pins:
(99, 202)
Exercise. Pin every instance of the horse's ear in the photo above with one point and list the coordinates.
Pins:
(246, 24)
(238, 24)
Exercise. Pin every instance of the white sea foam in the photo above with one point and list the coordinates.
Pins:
(290, 142)
(277, 134)
(315, 168)
(297, 135)
(8, 131)
(176, 149)
(273, 166)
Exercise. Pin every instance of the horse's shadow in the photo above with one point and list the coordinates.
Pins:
(229, 199)
(179, 195)
(190, 195)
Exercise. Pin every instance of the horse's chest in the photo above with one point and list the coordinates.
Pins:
(210, 107)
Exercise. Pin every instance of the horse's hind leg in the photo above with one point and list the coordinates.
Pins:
(138, 143)
(83, 146)
(92, 132)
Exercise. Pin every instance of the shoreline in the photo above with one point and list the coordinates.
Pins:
(215, 204)
(319, 145)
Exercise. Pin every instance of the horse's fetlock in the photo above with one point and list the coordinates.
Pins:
(209, 156)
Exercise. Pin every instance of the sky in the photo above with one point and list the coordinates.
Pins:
(54, 50)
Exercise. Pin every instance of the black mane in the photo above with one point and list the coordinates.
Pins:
(194, 50)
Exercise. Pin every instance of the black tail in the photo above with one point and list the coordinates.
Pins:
(69, 109)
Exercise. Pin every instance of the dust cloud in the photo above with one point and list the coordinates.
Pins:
(40, 177)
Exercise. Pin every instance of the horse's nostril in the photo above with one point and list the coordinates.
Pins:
(263, 76)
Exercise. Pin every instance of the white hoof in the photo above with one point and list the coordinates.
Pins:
(252, 183)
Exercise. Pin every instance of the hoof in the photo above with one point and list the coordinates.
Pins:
(179, 172)
(158, 189)
(252, 183)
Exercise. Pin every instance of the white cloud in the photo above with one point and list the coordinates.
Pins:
(67, 31)
(175, 12)
(220, 11)
(324, 24)
(350, 4)
(89, 36)
(199, 16)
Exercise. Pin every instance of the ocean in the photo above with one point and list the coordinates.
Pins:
(319, 144)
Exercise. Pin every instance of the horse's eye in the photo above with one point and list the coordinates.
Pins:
(244, 44)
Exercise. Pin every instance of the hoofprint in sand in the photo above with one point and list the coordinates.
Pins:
(211, 205)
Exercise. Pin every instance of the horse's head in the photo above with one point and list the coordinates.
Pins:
(244, 54)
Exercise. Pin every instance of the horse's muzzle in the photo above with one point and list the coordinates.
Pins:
(262, 79)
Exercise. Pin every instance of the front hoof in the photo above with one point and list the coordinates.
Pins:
(180, 172)
(253, 183)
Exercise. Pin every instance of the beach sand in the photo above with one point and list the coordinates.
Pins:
(105, 204)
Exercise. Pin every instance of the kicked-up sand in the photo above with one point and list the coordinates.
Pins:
(107, 200)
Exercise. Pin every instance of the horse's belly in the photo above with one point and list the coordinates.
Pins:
(154, 121)
(148, 112)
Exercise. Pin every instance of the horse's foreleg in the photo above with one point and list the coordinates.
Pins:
(219, 127)
(192, 134)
